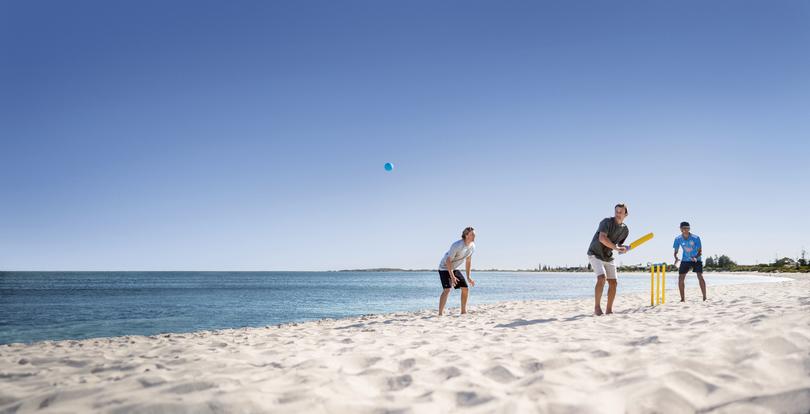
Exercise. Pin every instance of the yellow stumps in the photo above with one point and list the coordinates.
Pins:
(658, 284)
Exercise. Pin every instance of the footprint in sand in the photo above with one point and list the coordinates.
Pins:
(406, 364)
(152, 381)
(354, 364)
(190, 387)
(500, 374)
(399, 383)
(653, 339)
(16, 375)
(448, 372)
(75, 363)
(61, 396)
(292, 397)
(530, 366)
(470, 399)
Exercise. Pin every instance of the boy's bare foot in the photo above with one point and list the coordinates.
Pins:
(597, 311)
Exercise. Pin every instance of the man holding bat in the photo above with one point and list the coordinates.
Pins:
(610, 236)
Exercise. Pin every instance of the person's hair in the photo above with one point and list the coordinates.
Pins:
(466, 232)
(684, 224)
(622, 205)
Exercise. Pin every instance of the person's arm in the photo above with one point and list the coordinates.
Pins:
(675, 246)
(603, 238)
(699, 250)
(468, 267)
(449, 265)
(621, 245)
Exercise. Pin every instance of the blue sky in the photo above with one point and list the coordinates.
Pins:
(200, 135)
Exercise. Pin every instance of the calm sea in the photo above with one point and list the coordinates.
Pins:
(38, 306)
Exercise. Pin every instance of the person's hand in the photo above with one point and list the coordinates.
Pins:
(472, 282)
(621, 249)
(694, 259)
(453, 280)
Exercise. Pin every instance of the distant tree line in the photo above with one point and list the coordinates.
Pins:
(785, 264)
(721, 263)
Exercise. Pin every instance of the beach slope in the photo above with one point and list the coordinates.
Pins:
(747, 349)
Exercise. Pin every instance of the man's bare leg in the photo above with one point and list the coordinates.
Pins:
(465, 292)
(682, 285)
(443, 300)
(612, 283)
(600, 286)
(702, 285)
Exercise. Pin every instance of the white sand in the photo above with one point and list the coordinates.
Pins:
(745, 350)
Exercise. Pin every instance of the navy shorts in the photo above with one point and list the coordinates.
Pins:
(687, 266)
(444, 276)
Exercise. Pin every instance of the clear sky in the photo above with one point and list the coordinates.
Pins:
(251, 135)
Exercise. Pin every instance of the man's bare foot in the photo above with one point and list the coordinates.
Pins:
(463, 312)
(610, 312)
(704, 299)
(597, 311)
(683, 300)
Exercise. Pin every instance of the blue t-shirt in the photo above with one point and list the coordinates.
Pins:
(690, 247)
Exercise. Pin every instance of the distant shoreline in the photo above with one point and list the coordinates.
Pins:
(569, 270)
(397, 270)
(387, 269)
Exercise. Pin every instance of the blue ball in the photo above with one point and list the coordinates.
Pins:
(389, 166)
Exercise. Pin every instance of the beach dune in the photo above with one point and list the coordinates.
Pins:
(747, 349)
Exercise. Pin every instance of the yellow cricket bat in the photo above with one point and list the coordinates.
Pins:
(641, 240)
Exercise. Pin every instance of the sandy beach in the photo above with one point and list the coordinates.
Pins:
(747, 349)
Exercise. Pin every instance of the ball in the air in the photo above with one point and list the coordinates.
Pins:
(389, 166)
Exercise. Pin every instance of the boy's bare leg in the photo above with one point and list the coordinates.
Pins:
(600, 286)
(612, 284)
(465, 292)
(702, 285)
(443, 300)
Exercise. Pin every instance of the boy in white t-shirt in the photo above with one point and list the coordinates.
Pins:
(460, 251)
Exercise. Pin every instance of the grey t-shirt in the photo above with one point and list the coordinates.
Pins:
(458, 253)
(617, 233)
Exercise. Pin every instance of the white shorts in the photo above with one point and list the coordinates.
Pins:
(601, 267)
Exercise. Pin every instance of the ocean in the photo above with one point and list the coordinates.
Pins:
(37, 306)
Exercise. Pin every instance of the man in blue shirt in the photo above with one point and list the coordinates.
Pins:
(692, 249)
